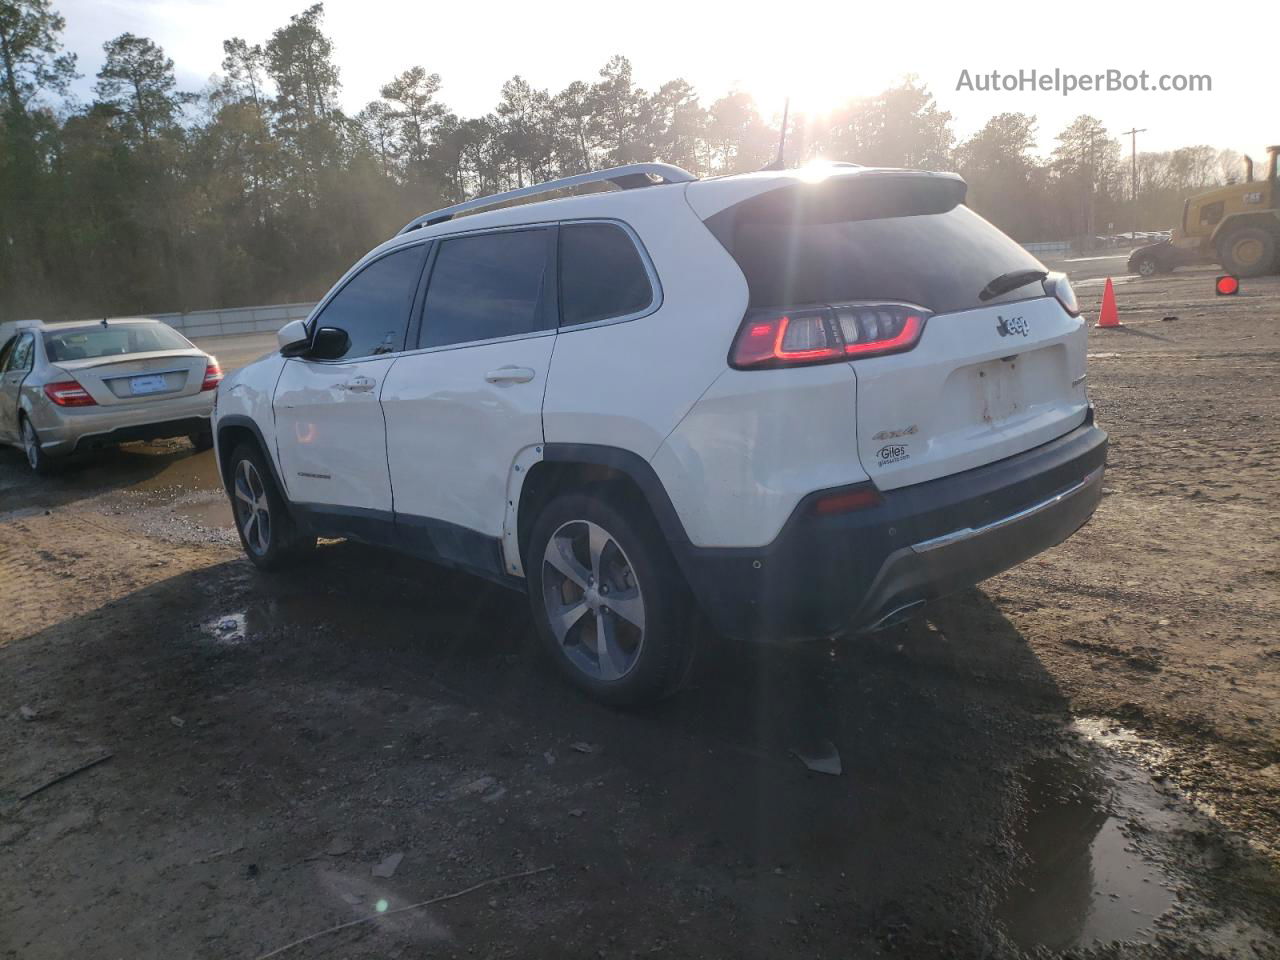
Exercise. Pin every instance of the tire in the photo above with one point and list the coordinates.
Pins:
(1248, 251)
(610, 575)
(1147, 267)
(202, 441)
(39, 461)
(270, 537)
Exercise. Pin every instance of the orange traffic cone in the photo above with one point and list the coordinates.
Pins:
(1109, 316)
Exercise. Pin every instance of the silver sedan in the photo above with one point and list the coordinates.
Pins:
(70, 387)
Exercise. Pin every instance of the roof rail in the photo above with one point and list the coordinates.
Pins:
(626, 177)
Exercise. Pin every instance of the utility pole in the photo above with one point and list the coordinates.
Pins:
(1133, 169)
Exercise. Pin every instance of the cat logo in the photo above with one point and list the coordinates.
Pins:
(1014, 326)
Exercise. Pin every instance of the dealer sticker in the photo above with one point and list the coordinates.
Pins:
(892, 453)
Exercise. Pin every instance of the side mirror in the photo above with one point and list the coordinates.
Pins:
(293, 338)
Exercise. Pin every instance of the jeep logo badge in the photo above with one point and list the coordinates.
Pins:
(1014, 326)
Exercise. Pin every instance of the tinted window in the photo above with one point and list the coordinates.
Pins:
(373, 308)
(861, 242)
(486, 286)
(601, 274)
(113, 339)
(5, 351)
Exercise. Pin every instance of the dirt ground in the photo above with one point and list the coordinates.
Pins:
(1079, 758)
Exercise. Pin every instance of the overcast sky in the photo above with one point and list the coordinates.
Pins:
(819, 52)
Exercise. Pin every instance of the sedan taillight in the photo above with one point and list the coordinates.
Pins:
(69, 393)
(212, 375)
(825, 334)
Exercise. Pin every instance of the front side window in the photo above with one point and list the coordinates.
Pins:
(373, 308)
(111, 339)
(601, 274)
(486, 286)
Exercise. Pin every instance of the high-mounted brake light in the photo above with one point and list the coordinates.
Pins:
(825, 334)
(212, 375)
(69, 393)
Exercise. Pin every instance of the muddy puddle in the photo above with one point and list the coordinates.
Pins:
(1104, 852)
(1084, 880)
(182, 495)
(230, 629)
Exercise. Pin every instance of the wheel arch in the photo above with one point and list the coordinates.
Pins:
(235, 429)
(1262, 219)
(631, 483)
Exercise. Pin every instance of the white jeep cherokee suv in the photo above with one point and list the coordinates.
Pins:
(799, 402)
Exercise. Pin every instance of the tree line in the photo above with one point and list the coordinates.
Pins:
(260, 188)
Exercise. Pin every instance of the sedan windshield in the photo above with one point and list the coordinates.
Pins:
(107, 340)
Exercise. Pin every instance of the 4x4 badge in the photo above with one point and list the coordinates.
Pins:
(1011, 327)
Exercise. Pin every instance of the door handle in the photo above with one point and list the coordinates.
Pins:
(510, 375)
(358, 385)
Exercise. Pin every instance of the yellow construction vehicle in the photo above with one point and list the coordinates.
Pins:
(1237, 226)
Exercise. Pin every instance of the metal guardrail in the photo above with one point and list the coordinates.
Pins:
(234, 321)
(1056, 246)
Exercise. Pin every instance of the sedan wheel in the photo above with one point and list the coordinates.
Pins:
(30, 444)
(253, 512)
(593, 601)
(37, 459)
(1147, 267)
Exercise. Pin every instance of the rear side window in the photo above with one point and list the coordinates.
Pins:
(20, 356)
(373, 307)
(601, 274)
(871, 240)
(486, 286)
(111, 339)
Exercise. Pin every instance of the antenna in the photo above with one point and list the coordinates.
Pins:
(779, 162)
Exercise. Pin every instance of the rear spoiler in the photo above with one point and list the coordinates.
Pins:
(866, 195)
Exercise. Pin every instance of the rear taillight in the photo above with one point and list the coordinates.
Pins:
(825, 334)
(1058, 285)
(212, 375)
(69, 393)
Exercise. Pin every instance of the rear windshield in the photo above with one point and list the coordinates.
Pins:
(812, 244)
(91, 342)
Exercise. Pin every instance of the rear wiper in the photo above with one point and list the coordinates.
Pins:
(1011, 281)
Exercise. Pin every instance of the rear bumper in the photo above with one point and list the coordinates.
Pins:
(77, 429)
(146, 431)
(827, 575)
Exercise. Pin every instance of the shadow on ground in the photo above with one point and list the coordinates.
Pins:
(369, 704)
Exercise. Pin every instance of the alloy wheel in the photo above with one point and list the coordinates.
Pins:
(253, 513)
(593, 600)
